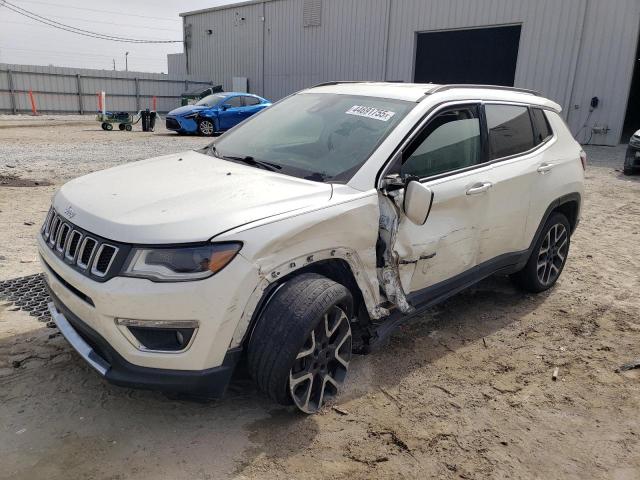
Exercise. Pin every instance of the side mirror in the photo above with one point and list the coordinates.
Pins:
(418, 199)
(223, 107)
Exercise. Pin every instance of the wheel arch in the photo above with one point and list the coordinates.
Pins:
(337, 269)
(569, 205)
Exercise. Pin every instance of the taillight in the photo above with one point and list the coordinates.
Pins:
(583, 159)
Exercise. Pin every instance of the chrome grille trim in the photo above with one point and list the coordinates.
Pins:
(61, 241)
(47, 224)
(91, 255)
(96, 258)
(83, 245)
(55, 223)
(71, 256)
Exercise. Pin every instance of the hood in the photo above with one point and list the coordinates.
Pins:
(181, 198)
(187, 109)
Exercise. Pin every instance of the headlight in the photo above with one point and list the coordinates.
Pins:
(180, 264)
(191, 115)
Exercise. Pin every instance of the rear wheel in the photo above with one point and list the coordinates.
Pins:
(108, 126)
(627, 170)
(548, 257)
(300, 349)
(128, 128)
(121, 126)
(206, 127)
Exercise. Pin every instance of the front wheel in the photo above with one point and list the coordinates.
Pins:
(300, 349)
(548, 257)
(206, 127)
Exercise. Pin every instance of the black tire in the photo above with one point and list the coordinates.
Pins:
(627, 170)
(108, 127)
(121, 126)
(104, 125)
(206, 127)
(282, 333)
(128, 128)
(532, 277)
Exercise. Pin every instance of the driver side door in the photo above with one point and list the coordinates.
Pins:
(448, 155)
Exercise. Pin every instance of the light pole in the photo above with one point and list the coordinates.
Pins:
(114, 63)
(126, 61)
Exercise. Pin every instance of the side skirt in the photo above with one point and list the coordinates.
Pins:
(438, 293)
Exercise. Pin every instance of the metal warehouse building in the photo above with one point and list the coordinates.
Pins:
(581, 53)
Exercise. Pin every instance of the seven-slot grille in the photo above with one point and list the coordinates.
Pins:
(86, 252)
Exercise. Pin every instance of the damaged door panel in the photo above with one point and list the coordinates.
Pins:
(447, 244)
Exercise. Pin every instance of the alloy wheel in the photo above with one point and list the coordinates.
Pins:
(552, 254)
(206, 128)
(321, 365)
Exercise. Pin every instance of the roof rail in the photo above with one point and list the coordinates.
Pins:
(338, 82)
(450, 86)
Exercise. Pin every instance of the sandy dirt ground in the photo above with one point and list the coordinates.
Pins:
(465, 391)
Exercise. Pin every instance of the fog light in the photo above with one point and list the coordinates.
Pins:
(159, 335)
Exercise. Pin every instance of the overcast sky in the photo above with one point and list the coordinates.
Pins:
(25, 41)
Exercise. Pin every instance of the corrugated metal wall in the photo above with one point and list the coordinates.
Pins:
(570, 50)
(72, 90)
(233, 49)
(605, 67)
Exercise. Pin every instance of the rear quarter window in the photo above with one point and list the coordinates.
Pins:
(541, 123)
(510, 130)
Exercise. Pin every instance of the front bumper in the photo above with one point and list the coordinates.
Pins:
(632, 157)
(97, 352)
(216, 303)
(181, 124)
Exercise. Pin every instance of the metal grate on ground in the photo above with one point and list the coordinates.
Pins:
(28, 294)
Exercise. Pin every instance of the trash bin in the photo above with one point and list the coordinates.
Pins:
(146, 120)
(152, 120)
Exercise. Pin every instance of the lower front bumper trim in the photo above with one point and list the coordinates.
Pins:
(209, 383)
(76, 341)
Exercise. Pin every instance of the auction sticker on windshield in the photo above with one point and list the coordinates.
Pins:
(371, 112)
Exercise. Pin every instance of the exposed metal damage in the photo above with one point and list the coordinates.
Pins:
(388, 273)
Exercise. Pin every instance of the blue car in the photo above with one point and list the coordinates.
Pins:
(215, 113)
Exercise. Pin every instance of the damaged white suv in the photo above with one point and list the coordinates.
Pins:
(302, 235)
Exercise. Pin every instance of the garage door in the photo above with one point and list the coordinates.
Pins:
(478, 55)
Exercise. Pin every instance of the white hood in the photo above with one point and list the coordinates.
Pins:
(186, 197)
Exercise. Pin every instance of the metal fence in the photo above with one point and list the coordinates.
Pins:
(72, 90)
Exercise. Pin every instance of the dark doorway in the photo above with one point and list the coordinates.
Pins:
(478, 55)
(632, 118)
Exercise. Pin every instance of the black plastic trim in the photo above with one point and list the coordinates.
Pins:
(86, 298)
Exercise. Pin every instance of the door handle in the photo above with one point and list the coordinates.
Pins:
(545, 167)
(479, 188)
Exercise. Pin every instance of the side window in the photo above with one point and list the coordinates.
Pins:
(234, 102)
(510, 130)
(251, 101)
(449, 142)
(543, 129)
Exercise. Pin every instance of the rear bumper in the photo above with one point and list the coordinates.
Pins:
(97, 352)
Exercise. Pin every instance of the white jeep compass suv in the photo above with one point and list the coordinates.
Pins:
(302, 235)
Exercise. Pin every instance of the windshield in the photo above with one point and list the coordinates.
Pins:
(317, 136)
(210, 100)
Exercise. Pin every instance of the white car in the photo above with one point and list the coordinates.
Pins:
(304, 234)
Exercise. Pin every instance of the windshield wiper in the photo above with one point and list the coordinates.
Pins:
(249, 160)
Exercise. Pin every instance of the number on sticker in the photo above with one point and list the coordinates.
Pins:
(371, 112)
